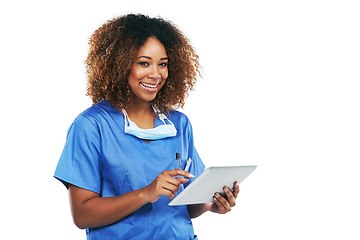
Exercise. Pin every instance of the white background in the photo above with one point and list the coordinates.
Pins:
(280, 89)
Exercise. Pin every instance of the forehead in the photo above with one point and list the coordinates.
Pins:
(152, 48)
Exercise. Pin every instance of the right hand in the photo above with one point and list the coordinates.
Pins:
(166, 184)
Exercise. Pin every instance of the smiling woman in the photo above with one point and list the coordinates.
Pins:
(118, 160)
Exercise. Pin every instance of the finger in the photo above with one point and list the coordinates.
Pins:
(164, 178)
(180, 172)
(177, 181)
(223, 201)
(174, 183)
(170, 193)
(236, 189)
(229, 196)
(220, 206)
(172, 187)
(182, 180)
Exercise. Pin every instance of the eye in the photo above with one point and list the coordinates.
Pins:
(143, 63)
(163, 64)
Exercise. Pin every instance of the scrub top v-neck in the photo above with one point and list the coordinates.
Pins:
(99, 156)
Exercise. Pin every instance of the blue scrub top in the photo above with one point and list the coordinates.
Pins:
(99, 156)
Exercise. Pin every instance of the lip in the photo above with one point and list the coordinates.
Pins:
(151, 87)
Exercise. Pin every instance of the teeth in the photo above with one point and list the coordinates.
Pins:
(149, 86)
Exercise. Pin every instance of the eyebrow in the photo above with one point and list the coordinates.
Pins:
(165, 58)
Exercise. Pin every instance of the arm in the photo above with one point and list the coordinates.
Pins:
(91, 210)
(196, 210)
(220, 205)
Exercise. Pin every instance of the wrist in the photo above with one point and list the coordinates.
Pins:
(144, 195)
(197, 210)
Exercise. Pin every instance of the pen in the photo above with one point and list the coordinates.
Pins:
(178, 158)
(188, 162)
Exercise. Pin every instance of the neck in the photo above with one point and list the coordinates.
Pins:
(140, 109)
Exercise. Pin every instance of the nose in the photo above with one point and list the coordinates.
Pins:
(155, 73)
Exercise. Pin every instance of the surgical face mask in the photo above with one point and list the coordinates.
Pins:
(159, 132)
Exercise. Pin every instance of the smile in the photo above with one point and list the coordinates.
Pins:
(150, 87)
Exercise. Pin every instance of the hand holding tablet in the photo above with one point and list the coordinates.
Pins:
(210, 182)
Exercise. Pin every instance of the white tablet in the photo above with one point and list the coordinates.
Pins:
(212, 180)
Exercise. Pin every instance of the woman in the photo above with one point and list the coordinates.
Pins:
(124, 157)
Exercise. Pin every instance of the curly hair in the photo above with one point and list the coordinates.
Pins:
(113, 51)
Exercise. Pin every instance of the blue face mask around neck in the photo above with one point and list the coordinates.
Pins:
(159, 132)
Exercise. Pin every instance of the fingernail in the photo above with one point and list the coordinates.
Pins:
(191, 175)
(216, 194)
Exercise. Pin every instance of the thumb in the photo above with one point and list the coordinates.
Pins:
(182, 180)
(208, 206)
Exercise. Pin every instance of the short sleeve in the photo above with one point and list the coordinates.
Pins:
(79, 162)
(197, 166)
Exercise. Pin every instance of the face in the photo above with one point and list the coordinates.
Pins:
(150, 71)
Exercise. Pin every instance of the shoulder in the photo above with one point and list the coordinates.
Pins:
(179, 119)
(98, 111)
(177, 115)
(96, 114)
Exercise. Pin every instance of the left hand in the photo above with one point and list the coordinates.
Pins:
(222, 204)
